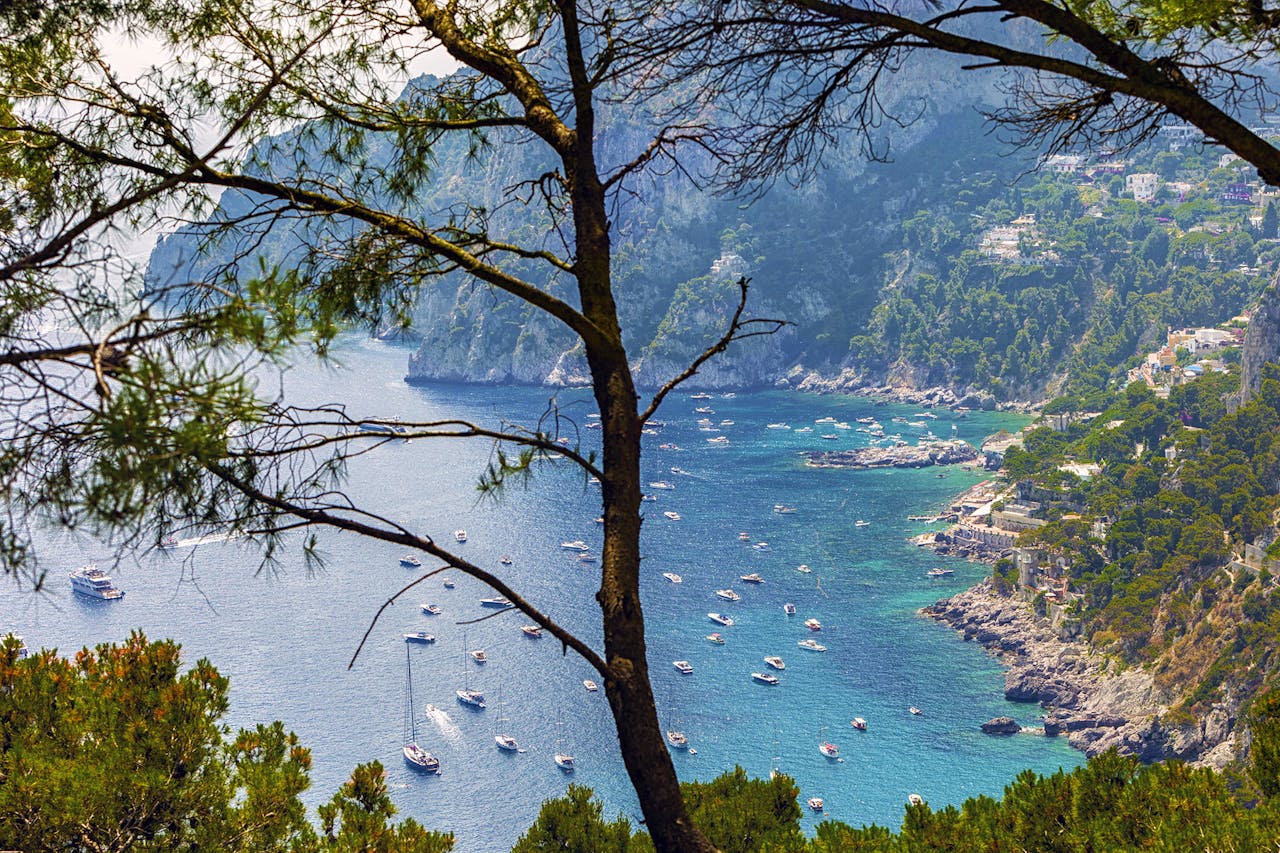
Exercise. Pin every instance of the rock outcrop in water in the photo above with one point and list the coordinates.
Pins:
(918, 456)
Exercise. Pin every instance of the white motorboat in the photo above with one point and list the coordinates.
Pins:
(765, 678)
(479, 656)
(431, 609)
(830, 750)
(778, 426)
(720, 619)
(813, 624)
(830, 437)
(861, 523)
(683, 666)
(915, 799)
(812, 645)
(661, 484)
(673, 577)
(414, 755)
(674, 516)
(728, 595)
(705, 410)
(471, 697)
(775, 662)
(576, 545)
(940, 572)
(410, 562)
(754, 577)
(497, 602)
(783, 509)
(760, 546)
(677, 739)
(586, 557)
(827, 420)
(505, 560)
(591, 686)
(805, 429)
(859, 724)
(419, 637)
(915, 711)
(92, 582)
(719, 439)
(744, 536)
(532, 631)
(716, 638)
(803, 568)
(460, 535)
(816, 803)
(448, 584)
(789, 609)
(564, 761)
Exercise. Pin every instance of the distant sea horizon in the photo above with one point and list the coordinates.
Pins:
(284, 634)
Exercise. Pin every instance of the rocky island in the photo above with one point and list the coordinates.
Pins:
(950, 452)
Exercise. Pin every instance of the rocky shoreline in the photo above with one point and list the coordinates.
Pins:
(951, 452)
(1085, 696)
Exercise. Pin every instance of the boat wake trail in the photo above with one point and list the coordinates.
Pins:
(444, 723)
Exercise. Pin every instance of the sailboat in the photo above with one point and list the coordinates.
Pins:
(414, 755)
(505, 742)
(466, 695)
(563, 759)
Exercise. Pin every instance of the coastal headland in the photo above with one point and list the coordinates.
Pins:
(1085, 695)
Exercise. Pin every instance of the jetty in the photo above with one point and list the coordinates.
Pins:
(920, 456)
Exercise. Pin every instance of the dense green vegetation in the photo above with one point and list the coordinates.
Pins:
(1184, 486)
(1093, 278)
(120, 750)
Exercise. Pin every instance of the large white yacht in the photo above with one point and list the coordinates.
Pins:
(93, 582)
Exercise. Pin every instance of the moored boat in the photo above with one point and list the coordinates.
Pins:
(728, 595)
(674, 516)
(497, 602)
(859, 724)
(760, 546)
(431, 609)
(92, 582)
(683, 666)
(812, 646)
(576, 545)
(789, 609)
(473, 698)
(720, 619)
(532, 631)
(775, 662)
(754, 577)
(940, 572)
(460, 535)
(479, 656)
(783, 509)
(419, 637)
(830, 750)
(813, 624)
(816, 803)
(677, 739)
(765, 678)
(591, 686)
(716, 638)
(673, 577)
(410, 562)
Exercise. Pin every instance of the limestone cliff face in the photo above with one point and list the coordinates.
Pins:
(1261, 342)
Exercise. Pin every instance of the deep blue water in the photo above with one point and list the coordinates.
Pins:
(284, 635)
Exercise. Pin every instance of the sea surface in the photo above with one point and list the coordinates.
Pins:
(285, 634)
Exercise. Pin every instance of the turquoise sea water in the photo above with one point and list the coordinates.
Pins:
(284, 635)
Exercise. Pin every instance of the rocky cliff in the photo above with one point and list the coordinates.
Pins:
(1261, 342)
(1083, 695)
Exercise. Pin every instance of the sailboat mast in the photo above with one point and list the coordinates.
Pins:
(413, 723)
